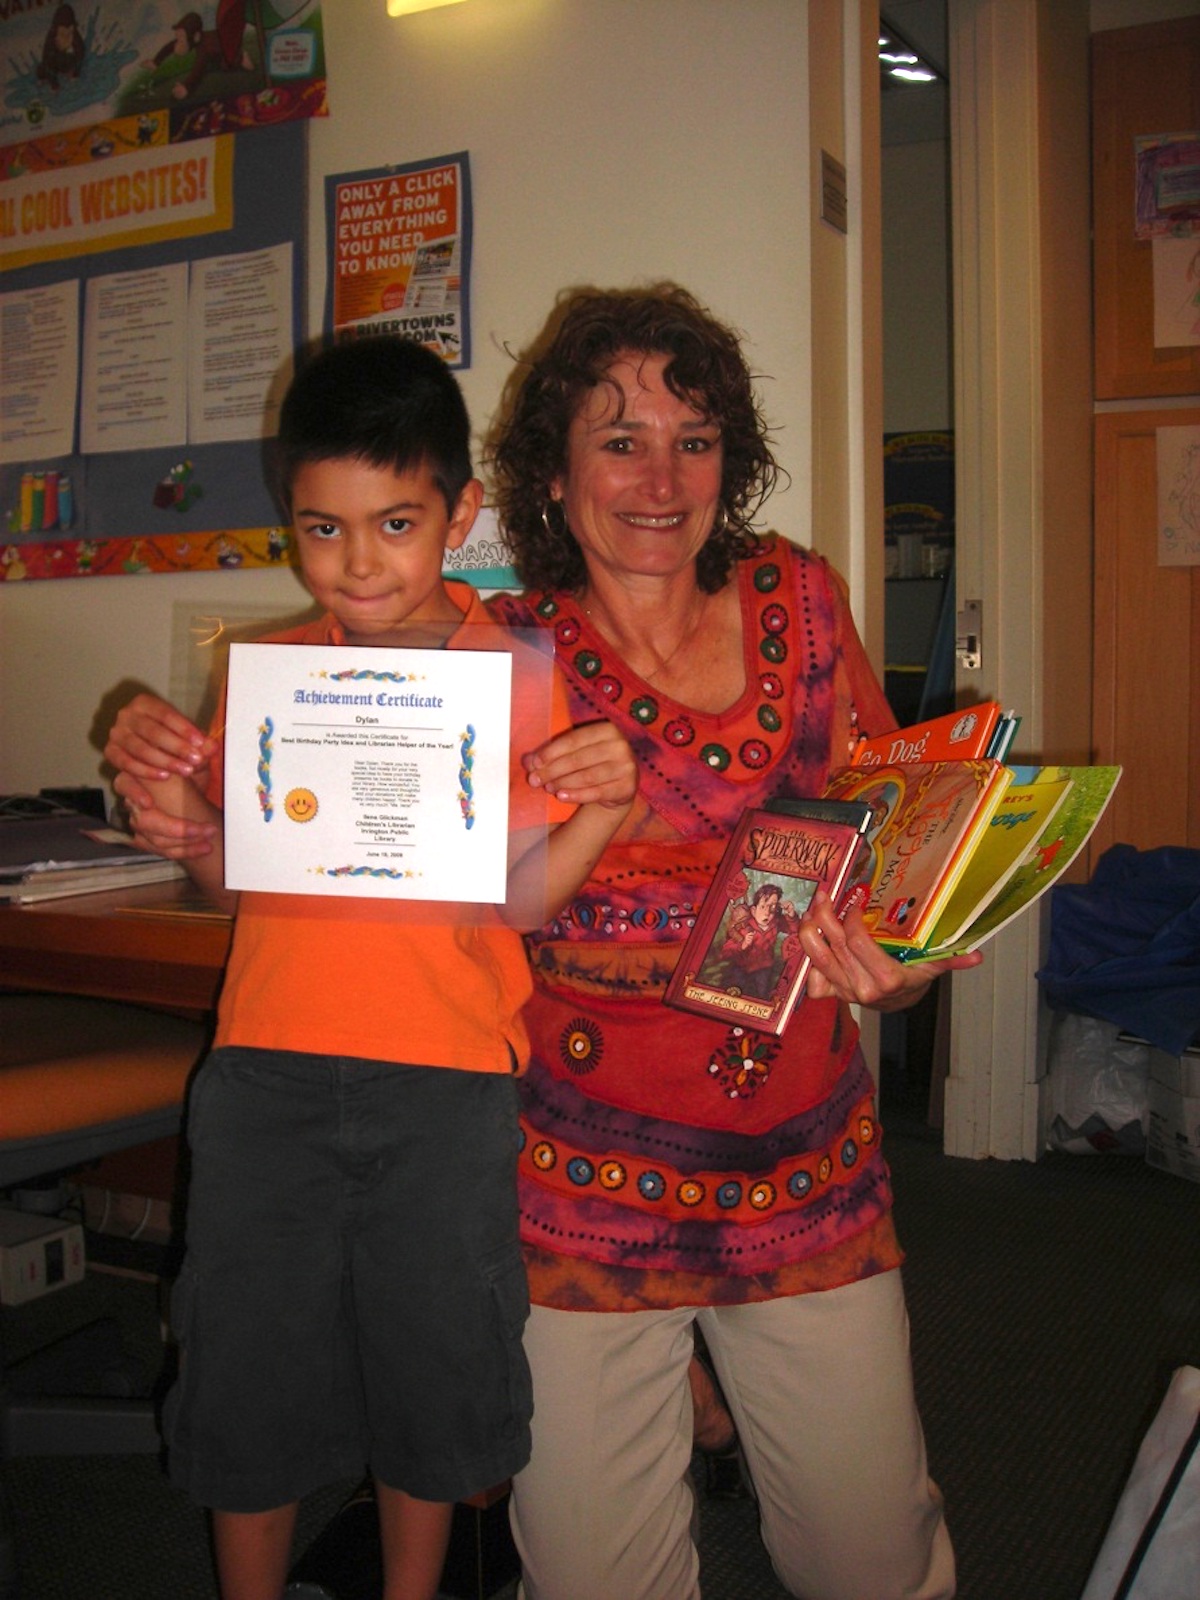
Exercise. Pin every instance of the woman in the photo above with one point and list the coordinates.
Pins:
(676, 1171)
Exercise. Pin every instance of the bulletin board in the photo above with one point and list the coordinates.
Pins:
(198, 507)
(1145, 86)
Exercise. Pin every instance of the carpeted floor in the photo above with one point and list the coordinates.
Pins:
(1049, 1304)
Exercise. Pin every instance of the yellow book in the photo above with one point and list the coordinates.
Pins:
(1025, 810)
(928, 818)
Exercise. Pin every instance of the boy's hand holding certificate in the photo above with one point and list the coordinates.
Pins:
(352, 771)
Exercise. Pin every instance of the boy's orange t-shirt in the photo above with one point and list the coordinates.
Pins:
(377, 979)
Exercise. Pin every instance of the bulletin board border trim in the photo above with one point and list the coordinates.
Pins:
(216, 550)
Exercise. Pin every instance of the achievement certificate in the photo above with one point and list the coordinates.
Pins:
(377, 772)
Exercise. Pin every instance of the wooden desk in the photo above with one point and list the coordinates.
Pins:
(130, 944)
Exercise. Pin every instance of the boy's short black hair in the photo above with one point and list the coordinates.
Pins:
(387, 401)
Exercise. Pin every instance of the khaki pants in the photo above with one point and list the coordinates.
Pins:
(821, 1390)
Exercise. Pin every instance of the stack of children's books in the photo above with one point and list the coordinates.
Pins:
(943, 843)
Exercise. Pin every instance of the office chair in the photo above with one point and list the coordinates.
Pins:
(79, 1079)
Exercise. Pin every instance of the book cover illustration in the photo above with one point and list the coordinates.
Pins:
(743, 961)
(927, 817)
(1024, 813)
(958, 736)
(1047, 858)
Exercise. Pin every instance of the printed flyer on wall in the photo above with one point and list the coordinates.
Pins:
(400, 240)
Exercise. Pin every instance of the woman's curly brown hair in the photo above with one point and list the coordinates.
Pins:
(589, 329)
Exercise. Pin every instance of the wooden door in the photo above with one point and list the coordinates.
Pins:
(1146, 705)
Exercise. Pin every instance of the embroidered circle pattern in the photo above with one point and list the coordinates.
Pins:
(799, 1184)
(753, 754)
(742, 1064)
(712, 1195)
(582, 1045)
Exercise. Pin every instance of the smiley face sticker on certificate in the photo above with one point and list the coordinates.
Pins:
(368, 771)
(301, 805)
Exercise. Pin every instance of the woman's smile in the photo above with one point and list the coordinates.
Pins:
(643, 477)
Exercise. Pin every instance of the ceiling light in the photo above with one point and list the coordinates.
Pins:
(900, 64)
(401, 8)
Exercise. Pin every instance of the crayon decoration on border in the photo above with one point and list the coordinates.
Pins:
(266, 805)
(466, 793)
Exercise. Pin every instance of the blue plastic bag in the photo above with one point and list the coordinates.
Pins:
(1126, 945)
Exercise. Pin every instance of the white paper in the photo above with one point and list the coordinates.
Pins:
(39, 371)
(240, 344)
(373, 772)
(1177, 452)
(1176, 265)
(134, 361)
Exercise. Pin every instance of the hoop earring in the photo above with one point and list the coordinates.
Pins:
(551, 532)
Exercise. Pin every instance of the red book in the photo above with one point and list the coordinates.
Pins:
(958, 736)
(742, 961)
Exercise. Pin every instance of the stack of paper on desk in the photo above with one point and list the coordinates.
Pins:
(61, 885)
(67, 853)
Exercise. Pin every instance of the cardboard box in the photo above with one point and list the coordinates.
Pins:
(37, 1254)
(1173, 1132)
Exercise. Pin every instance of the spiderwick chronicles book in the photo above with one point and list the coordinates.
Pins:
(742, 961)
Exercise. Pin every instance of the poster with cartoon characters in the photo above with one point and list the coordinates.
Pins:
(84, 81)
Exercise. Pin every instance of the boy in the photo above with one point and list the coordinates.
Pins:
(353, 1286)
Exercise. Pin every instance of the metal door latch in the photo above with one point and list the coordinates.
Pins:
(968, 635)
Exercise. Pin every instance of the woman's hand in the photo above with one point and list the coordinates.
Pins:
(165, 832)
(150, 739)
(149, 742)
(847, 962)
(589, 764)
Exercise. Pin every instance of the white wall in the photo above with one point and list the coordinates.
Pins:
(611, 141)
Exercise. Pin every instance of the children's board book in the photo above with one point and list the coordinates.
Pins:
(927, 819)
(1044, 838)
(742, 961)
(959, 736)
